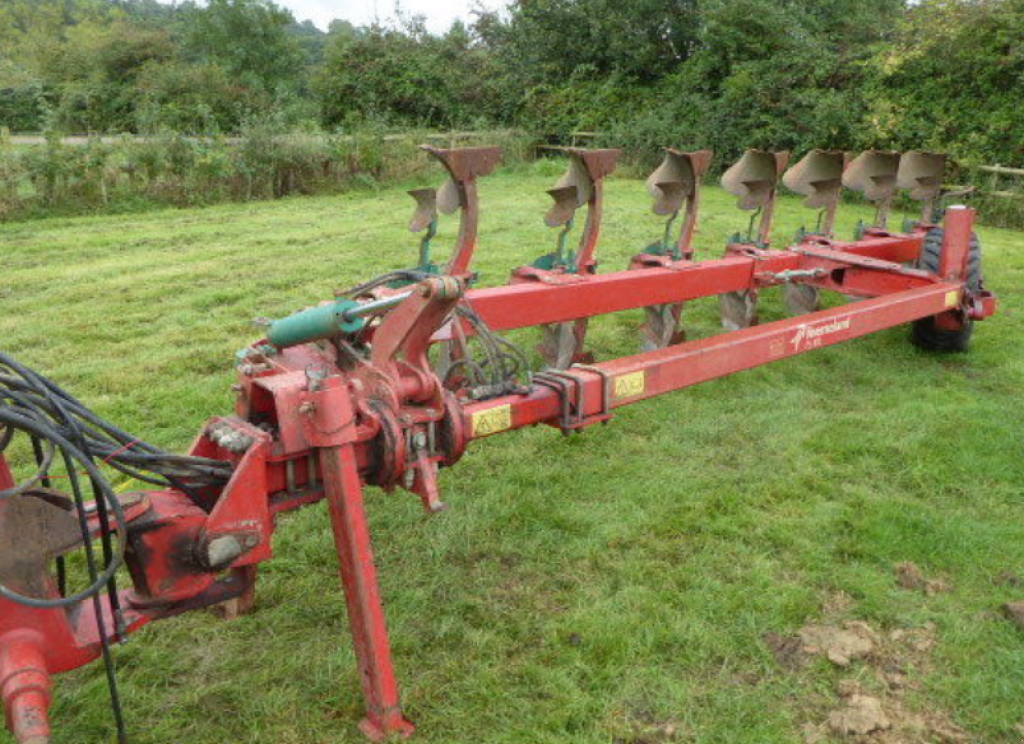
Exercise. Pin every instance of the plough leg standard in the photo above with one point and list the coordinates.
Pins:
(391, 381)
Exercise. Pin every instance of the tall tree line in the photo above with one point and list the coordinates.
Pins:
(945, 74)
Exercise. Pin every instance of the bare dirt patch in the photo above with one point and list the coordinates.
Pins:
(1014, 612)
(643, 727)
(1009, 578)
(788, 651)
(854, 640)
(909, 576)
(881, 717)
(859, 715)
(881, 671)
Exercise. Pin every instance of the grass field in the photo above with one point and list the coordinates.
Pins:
(635, 584)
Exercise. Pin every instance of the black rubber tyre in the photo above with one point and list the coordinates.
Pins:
(926, 333)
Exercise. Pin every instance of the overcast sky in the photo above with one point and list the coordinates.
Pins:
(439, 13)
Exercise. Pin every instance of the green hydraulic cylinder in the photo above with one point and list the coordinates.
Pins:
(324, 321)
(338, 318)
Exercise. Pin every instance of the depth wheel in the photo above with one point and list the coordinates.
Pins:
(926, 332)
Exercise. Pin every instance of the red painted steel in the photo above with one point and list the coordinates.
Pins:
(530, 304)
(685, 365)
(6, 478)
(600, 164)
(362, 593)
(895, 248)
(466, 165)
(956, 243)
(527, 305)
(25, 686)
(463, 258)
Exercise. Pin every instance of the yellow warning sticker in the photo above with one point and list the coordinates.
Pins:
(631, 385)
(953, 299)
(492, 421)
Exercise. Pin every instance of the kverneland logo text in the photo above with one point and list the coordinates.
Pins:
(811, 336)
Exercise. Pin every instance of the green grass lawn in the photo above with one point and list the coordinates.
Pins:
(620, 586)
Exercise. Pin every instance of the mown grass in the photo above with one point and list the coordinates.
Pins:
(612, 587)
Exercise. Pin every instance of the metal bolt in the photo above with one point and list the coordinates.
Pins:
(308, 408)
(419, 440)
(131, 499)
(223, 550)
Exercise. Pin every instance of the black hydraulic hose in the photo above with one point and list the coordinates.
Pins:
(118, 448)
(90, 559)
(54, 420)
(62, 568)
(72, 455)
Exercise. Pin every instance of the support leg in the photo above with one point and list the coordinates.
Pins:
(362, 594)
(24, 679)
(25, 687)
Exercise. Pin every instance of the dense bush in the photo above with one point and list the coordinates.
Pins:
(138, 65)
(757, 73)
(22, 108)
(720, 74)
(954, 80)
(725, 74)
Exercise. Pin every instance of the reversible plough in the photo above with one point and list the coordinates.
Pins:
(390, 381)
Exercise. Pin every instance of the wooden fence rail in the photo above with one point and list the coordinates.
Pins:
(1001, 170)
(994, 183)
(452, 139)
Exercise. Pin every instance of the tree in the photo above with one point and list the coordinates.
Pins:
(402, 74)
(312, 40)
(192, 98)
(548, 41)
(249, 39)
(952, 80)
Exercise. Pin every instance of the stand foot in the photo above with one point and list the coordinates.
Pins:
(395, 726)
(243, 605)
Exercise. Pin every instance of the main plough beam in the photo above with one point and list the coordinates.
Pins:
(527, 305)
(600, 388)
